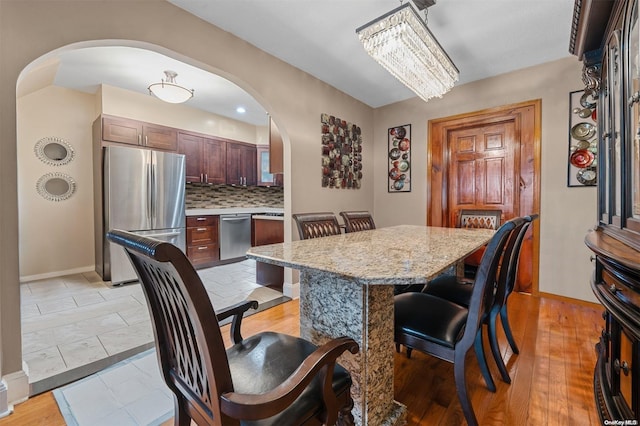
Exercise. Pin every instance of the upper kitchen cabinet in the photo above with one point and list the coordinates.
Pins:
(133, 132)
(276, 150)
(265, 177)
(205, 158)
(241, 163)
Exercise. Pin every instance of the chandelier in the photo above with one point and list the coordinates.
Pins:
(169, 91)
(401, 42)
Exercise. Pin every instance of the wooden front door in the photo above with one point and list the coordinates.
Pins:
(483, 166)
(488, 160)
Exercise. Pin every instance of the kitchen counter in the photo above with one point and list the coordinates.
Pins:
(267, 217)
(233, 210)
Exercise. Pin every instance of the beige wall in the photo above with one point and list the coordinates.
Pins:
(30, 29)
(125, 103)
(44, 224)
(565, 213)
(55, 111)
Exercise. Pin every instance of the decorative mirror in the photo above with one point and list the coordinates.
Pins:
(54, 151)
(56, 186)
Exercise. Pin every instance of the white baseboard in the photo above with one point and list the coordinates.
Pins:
(28, 278)
(16, 387)
(291, 290)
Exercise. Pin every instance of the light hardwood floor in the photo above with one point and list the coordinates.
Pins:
(551, 377)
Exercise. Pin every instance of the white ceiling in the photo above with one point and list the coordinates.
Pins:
(484, 38)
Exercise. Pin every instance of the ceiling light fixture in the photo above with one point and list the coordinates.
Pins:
(401, 42)
(169, 91)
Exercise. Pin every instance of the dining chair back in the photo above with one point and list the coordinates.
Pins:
(447, 330)
(488, 219)
(314, 225)
(355, 221)
(266, 379)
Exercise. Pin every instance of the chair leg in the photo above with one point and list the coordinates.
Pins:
(180, 416)
(504, 318)
(482, 360)
(461, 388)
(495, 349)
(345, 416)
(409, 350)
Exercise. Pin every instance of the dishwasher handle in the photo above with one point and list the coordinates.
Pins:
(236, 219)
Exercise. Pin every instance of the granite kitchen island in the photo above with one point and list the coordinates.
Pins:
(346, 289)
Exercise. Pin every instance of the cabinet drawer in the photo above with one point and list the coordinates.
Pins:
(198, 221)
(202, 235)
(204, 253)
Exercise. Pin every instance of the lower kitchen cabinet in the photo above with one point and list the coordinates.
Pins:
(203, 247)
(268, 231)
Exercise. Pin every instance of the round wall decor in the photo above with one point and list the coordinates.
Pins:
(55, 186)
(54, 151)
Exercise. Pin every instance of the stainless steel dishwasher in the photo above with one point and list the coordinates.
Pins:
(235, 235)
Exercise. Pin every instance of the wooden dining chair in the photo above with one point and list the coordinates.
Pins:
(314, 225)
(266, 379)
(457, 290)
(485, 219)
(355, 221)
(447, 330)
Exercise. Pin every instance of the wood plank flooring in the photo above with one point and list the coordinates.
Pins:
(551, 377)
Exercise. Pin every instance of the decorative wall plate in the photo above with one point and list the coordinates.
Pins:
(54, 151)
(583, 131)
(56, 186)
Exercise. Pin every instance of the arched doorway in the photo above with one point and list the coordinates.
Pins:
(70, 223)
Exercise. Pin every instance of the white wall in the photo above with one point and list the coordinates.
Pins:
(565, 213)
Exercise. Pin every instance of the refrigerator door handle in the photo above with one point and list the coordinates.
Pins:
(152, 193)
(165, 234)
(148, 184)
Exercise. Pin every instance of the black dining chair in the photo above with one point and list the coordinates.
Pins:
(315, 225)
(447, 330)
(266, 379)
(355, 221)
(459, 291)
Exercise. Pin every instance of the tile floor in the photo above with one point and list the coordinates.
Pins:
(76, 325)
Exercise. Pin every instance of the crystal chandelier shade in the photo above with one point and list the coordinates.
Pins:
(401, 42)
(169, 91)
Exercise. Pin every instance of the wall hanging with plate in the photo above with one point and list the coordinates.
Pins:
(583, 139)
(54, 151)
(56, 186)
(399, 144)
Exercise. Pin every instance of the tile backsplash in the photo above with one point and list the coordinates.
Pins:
(204, 196)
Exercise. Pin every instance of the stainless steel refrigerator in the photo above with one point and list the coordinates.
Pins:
(142, 192)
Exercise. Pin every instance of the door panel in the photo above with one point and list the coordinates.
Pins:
(489, 159)
(483, 169)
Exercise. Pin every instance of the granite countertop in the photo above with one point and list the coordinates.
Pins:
(233, 210)
(404, 254)
(267, 217)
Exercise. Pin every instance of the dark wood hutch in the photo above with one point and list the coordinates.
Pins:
(606, 38)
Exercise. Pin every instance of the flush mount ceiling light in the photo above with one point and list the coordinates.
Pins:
(169, 91)
(401, 42)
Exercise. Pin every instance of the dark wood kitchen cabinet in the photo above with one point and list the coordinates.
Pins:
(241, 164)
(605, 36)
(268, 231)
(203, 247)
(264, 177)
(205, 158)
(138, 133)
